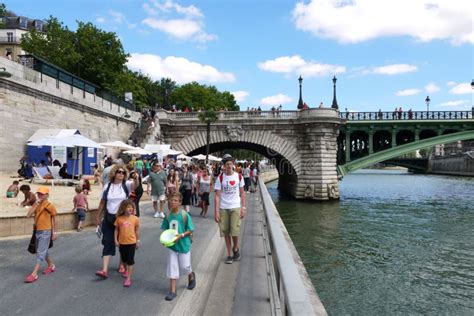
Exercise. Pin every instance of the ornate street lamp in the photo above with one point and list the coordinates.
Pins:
(427, 101)
(124, 115)
(334, 101)
(300, 101)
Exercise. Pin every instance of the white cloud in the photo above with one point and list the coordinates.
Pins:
(361, 20)
(394, 69)
(407, 92)
(181, 22)
(295, 65)
(454, 103)
(431, 88)
(276, 99)
(462, 88)
(450, 83)
(179, 69)
(240, 96)
(100, 19)
(116, 18)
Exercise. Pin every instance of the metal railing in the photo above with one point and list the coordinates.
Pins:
(238, 114)
(10, 40)
(408, 115)
(292, 295)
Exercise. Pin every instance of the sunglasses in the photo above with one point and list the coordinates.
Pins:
(120, 172)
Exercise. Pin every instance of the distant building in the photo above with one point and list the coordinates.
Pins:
(11, 30)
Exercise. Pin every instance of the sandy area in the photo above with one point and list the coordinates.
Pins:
(60, 195)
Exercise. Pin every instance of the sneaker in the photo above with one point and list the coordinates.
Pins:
(156, 215)
(236, 255)
(127, 282)
(50, 269)
(229, 260)
(31, 278)
(162, 215)
(171, 296)
(102, 274)
(192, 282)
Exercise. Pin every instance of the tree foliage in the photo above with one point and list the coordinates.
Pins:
(98, 57)
(201, 97)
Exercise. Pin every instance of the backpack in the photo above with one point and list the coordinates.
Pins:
(106, 192)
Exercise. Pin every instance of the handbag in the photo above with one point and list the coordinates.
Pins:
(32, 245)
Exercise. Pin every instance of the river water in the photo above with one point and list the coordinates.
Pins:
(395, 244)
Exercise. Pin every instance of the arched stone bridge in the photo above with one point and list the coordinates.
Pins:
(308, 145)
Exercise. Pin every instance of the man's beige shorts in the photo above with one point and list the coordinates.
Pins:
(229, 222)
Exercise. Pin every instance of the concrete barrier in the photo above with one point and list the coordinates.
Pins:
(20, 225)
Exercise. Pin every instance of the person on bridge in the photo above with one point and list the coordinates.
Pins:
(229, 207)
(44, 230)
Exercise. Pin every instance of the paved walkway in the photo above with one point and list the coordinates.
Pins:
(238, 289)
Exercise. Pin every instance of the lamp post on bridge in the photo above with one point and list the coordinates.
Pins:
(334, 101)
(300, 101)
(427, 101)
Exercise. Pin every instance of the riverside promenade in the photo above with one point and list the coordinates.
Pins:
(242, 288)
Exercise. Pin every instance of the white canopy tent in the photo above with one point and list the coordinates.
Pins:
(118, 145)
(199, 157)
(162, 150)
(182, 156)
(76, 140)
(138, 151)
(214, 158)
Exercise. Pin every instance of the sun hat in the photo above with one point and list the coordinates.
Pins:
(43, 190)
(168, 237)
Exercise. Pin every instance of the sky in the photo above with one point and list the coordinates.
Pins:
(384, 53)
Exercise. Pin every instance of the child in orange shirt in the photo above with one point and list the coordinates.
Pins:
(45, 231)
(127, 237)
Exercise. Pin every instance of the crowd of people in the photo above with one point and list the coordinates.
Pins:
(173, 187)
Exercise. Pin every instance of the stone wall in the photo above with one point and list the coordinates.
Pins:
(29, 102)
(459, 165)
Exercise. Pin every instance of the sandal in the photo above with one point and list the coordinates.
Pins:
(102, 274)
(121, 270)
(31, 278)
(50, 269)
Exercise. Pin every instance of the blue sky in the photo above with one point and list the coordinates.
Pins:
(385, 54)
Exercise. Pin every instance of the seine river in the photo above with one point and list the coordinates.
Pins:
(395, 244)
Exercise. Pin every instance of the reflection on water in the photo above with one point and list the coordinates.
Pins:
(396, 243)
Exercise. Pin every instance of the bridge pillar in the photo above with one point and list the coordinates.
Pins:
(348, 146)
(394, 138)
(371, 142)
(317, 145)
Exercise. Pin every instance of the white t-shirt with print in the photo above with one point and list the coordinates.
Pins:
(116, 195)
(230, 190)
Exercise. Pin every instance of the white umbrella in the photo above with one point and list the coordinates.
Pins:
(76, 140)
(172, 152)
(199, 157)
(118, 145)
(138, 151)
(182, 156)
(214, 158)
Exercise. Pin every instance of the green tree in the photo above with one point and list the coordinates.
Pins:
(208, 117)
(198, 96)
(102, 56)
(56, 45)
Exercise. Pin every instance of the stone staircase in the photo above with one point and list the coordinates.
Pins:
(146, 134)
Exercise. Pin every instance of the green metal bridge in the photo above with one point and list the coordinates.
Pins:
(367, 138)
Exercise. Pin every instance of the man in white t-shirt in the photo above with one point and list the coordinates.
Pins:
(229, 203)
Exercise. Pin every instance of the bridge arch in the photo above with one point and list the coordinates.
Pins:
(270, 145)
(403, 149)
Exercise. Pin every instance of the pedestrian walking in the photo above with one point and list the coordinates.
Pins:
(127, 237)
(117, 190)
(204, 189)
(229, 203)
(44, 230)
(186, 187)
(156, 185)
(179, 255)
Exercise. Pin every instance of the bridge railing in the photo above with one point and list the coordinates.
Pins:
(291, 290)
(237, 115)
(408, 115)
